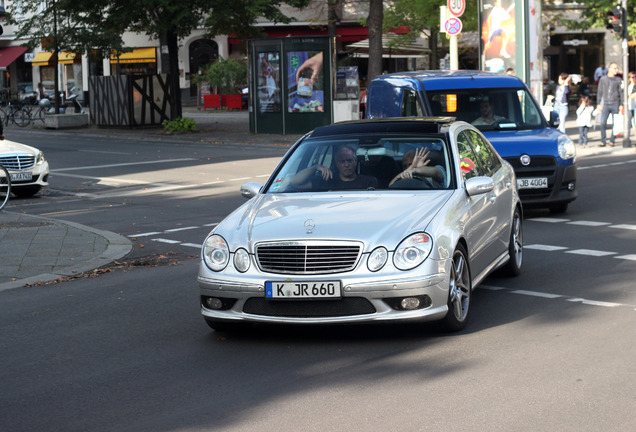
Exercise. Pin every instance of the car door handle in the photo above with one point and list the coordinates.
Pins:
(508, 184)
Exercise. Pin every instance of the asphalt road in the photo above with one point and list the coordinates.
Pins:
(128, 351)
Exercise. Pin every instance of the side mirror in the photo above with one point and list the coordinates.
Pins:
(554, 120)
(250, 189)
(479, 185)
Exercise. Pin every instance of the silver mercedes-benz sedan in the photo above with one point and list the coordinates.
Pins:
(368, 221)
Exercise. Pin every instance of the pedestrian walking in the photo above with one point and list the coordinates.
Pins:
(561, 99)
(584, 114)
(631, 92)
(610, 100)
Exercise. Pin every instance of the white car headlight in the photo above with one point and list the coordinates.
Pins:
(241, 260)
(377, 259)
(39, 159)
(567, 150)
(216, 252)
(412, 251)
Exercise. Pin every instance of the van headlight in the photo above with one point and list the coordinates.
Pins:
(216, 252)
(412, 251)
(567, 150)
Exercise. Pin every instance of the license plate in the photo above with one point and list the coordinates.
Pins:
(302, 290)
(532, 183)
(21, 176)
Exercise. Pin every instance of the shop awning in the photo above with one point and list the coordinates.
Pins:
(42, 58)
(9, 55)
(414, 49)
(138, 55)
(66, 57)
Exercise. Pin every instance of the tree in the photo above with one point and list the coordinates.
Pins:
(423, 16)
(593, 15)
(98, 25)
(77, 26)
(374, 24)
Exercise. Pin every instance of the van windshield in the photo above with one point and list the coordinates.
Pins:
(489, 109)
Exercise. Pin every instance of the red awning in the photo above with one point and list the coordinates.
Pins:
(9, 54)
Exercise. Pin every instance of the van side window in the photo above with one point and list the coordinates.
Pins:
(485, 152)
(410, 104)
(468, 161)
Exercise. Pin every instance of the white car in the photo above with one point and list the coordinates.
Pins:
(27, 166)
(368, 221)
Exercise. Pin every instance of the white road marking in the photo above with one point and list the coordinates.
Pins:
(160, 240)
(588, 223)
(624, 226)
(543, 247)
(148, 234)
(551, 296)
(121, 164)
(627, 257)
(181, 229)
(590, 252)
(194, 245)
(549, 220)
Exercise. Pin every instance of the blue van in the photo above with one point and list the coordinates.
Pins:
(504, 110)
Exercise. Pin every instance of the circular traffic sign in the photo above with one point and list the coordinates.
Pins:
(456, 7)
(453, 26)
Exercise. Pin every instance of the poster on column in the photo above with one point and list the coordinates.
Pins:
(305, 81)
(268, 70)
(498, 34)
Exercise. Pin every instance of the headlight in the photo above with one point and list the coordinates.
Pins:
(412, 251)
(241, 260)
(216, 253)
(567, 150)
(39, 159)
(377, 259)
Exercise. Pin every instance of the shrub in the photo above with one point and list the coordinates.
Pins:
(179, 124)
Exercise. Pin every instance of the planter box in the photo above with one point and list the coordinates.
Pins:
(211, 101)
(231, 101)
(61, 121)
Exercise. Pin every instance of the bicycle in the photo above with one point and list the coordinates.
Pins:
(36, 115)
(5, 186)
(15, 114)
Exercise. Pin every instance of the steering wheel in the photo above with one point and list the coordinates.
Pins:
(415, 183)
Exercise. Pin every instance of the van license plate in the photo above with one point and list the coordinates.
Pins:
(302, 290)
(532, 183)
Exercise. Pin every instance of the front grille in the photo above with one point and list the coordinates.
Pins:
(345, 306)
(318, 257)
(17, 162)
(540, 166)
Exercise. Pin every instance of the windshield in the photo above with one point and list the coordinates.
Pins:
(489, 109)
(364, 164)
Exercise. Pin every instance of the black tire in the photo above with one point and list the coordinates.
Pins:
(5, 186)
(40, 115)
(25, 191)
(21, 118)
(515, 246)
(459, 292)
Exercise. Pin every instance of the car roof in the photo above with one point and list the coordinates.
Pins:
(407, 125)
(444, 79)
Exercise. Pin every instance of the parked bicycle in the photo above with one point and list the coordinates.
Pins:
(15, 114)
(38, 111)
(5, 186)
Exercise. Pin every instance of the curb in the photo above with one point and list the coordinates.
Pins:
(117, 247)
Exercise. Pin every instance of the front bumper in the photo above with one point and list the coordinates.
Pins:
(365, 298)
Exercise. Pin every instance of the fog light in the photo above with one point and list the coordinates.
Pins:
(410, 303)
(214, 303)
(571, 186)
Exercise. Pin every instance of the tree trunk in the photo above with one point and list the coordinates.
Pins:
(374, 23)
(173, 74)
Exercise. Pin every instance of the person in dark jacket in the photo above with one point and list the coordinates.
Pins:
(610, 100)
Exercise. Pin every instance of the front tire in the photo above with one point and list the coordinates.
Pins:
(459, 293)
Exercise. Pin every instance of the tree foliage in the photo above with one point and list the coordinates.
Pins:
(228, 75)
(594, 15)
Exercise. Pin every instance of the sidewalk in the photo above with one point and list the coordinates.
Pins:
(35, 250)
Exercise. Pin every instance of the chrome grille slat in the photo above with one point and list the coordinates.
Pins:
(17, 162)
(312, 257)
